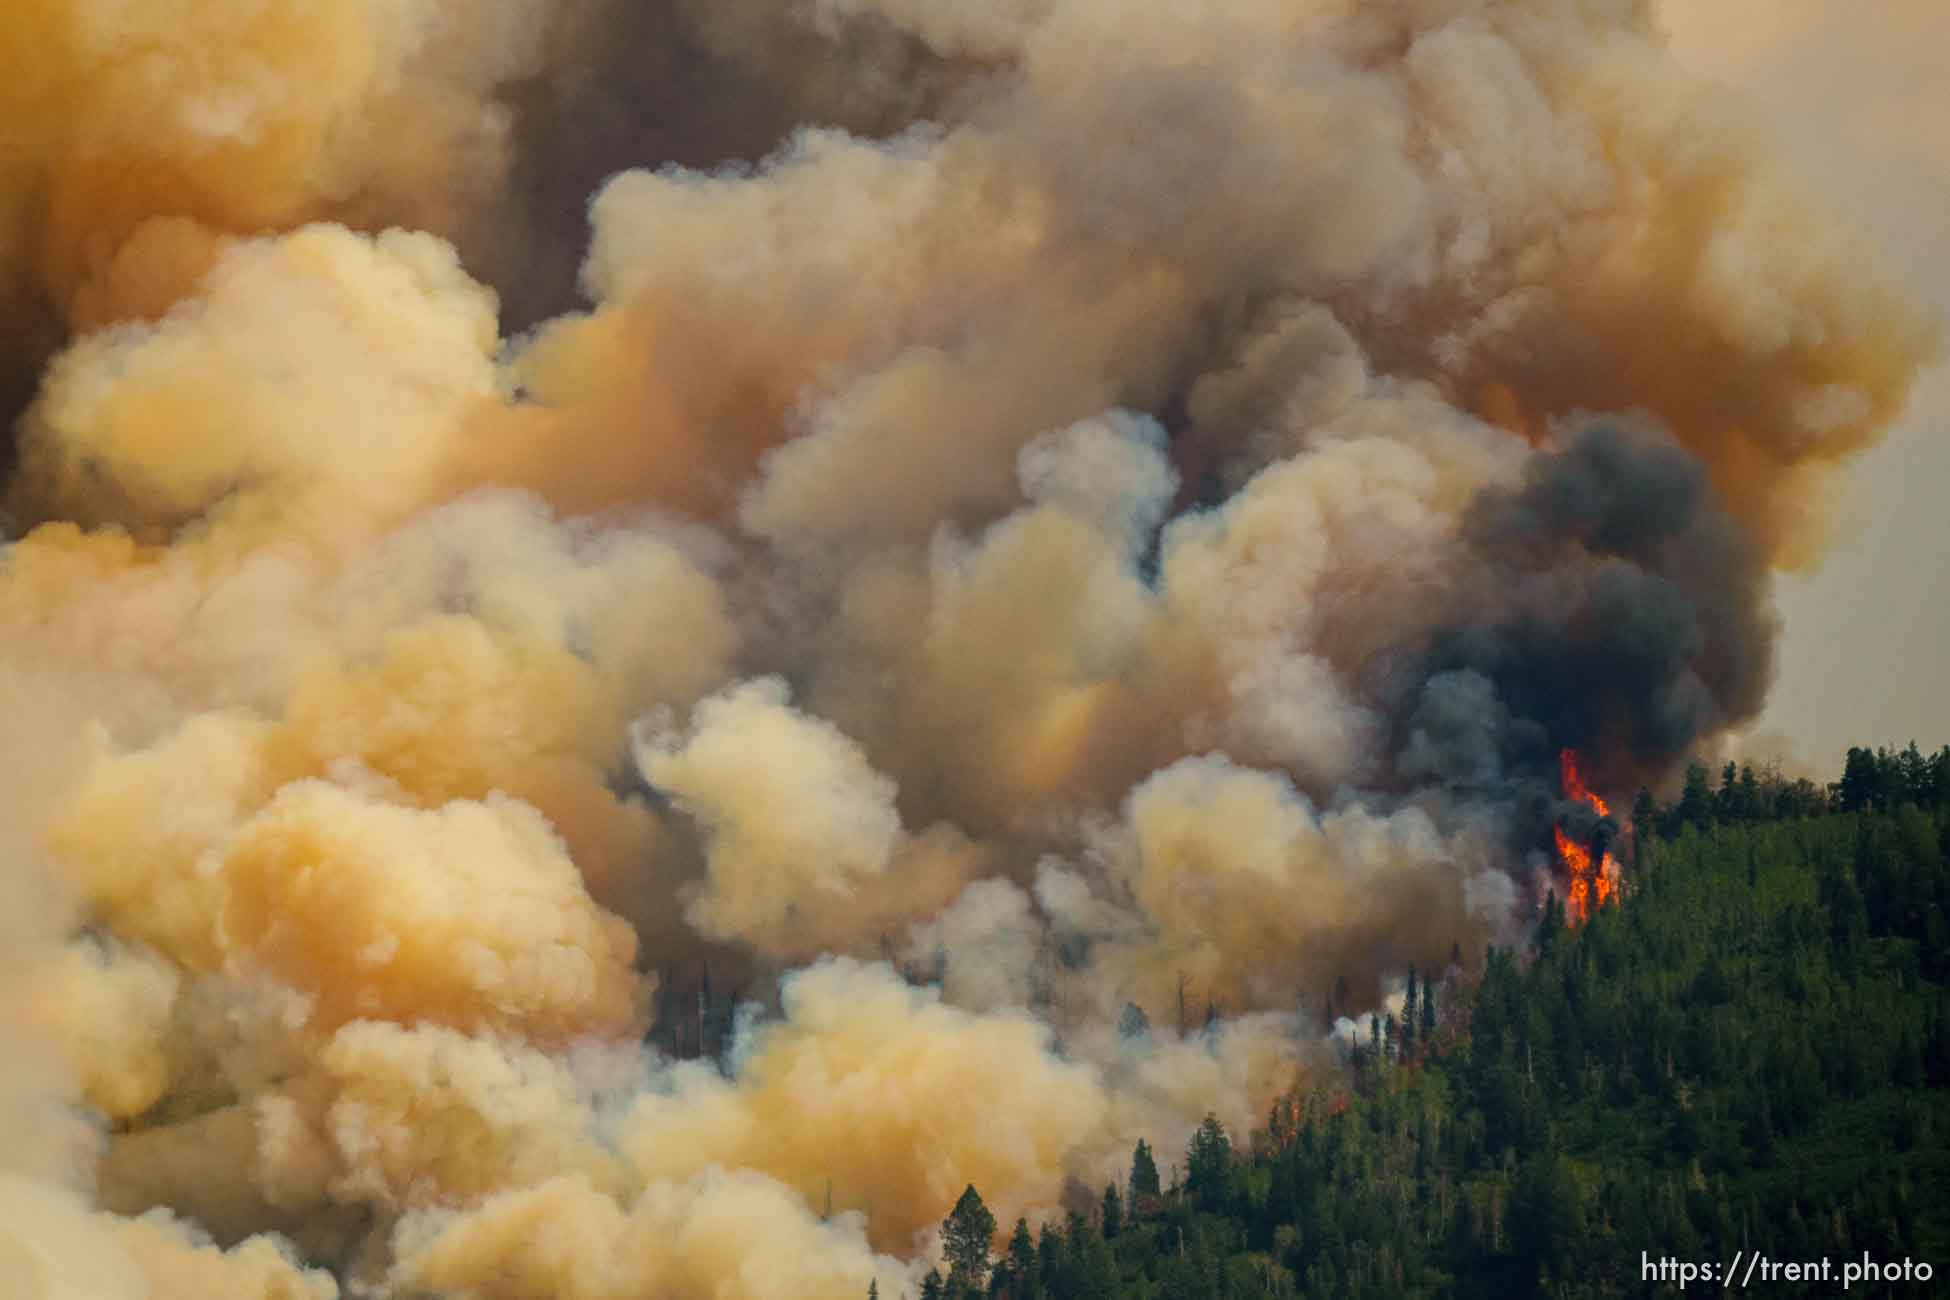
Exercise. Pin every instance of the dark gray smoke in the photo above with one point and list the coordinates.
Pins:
(1619, 611)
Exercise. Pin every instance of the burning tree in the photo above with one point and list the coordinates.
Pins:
(1589, 866)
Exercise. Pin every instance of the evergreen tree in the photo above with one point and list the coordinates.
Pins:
(1208, 1160)
(931, 1286)
(1645, 823)
(1022, 1252)
(1049, 1254)
(1550, 924)
(1725, 803)
(873, 1289)
(1090, 1269)
(1546, 1220)
(1695, 806)
(1912, 781)
(1410, 1012)
(965, 1237)
(1747, 797)
(1144, 1173)
(1113, 1213)
(1860, 784)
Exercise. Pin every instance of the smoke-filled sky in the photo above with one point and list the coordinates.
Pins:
(968, 525)
(1860, 107)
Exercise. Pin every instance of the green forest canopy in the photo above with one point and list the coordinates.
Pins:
(1751, 1053)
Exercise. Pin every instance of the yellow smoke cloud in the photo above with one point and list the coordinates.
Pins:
(806, 853)
(53, 1248)
(383, 912)
(734, 1234)
(139, 140)
(1229, 861)
(180, 1263)
(894, 1098)
(169, 420)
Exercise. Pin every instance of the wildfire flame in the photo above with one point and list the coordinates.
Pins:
(1591, 885)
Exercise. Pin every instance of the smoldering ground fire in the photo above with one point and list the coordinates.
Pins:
(1062, 504)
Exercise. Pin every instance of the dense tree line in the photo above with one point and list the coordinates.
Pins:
(1873, 780)
(1752, 1052)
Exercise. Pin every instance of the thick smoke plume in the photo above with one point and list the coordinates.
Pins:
(1057, 550)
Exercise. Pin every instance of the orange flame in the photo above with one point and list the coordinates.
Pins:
(1574, 786)
(1590, 885)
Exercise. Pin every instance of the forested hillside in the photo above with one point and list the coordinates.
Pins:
(1749, 1052)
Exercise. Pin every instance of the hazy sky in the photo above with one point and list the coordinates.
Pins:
(1860, 95)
